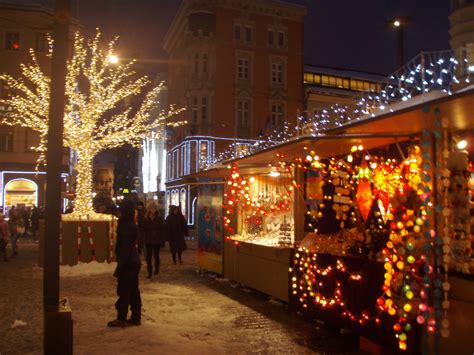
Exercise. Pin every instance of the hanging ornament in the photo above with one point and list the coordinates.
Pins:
(364, 198)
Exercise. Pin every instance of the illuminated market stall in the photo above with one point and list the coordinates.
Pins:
(372, 222)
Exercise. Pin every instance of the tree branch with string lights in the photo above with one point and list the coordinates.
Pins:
(96, 114)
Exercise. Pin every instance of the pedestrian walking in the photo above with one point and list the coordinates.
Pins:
(17, 228)
(128, 268)
(176, 229)
(4, 233)
(139, 221)
(35, 217)
(153, 227)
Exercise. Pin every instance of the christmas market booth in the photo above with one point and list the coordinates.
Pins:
(364, 227)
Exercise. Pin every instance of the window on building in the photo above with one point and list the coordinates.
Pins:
(324, 80)
(6, 139)
(248, 34)
(339, 82)
(271, 37)
(243, 68)
(196, 63)
(4, 91)
(277, 73)
(182, 201)
(332, 81)
(12, 41)
(281, 39)
(175, 164)
(194, 110)
(317, 79)
(345, 83)
(41, 43)
(277, 115)
(243, 113)
(308, 78)
(204, 63)
(204, 108)
(203, 154)
(237, 32)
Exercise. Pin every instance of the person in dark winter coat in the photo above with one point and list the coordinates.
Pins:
(35, 217)
(128, 268)
(4, 233)
(153, 228)
(176, 228)
(139, 221)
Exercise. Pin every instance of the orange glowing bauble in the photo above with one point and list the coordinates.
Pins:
(364, 198)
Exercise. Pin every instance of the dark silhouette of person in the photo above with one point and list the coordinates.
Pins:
(128, 268)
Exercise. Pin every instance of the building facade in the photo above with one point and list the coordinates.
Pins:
(236, 65)
(22, 27)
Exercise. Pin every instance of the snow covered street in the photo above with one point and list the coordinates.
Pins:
(183, 312)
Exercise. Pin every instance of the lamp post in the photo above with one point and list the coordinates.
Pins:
(57, 319)
(398, 23)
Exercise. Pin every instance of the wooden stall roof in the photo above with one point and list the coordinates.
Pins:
(457, 108)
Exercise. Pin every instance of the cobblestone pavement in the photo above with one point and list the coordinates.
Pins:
(184, 312)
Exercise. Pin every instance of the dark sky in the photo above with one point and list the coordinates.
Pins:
(339, 33)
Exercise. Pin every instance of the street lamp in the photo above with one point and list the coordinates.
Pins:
(398, 23)
(113, 59)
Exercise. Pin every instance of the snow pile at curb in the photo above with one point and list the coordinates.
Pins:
(87, 269)
(18, 323)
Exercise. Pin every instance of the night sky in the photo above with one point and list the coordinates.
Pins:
(338, 33)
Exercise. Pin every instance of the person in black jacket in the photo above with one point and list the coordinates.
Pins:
(153, 227)
(128, 268)
(139, 221)
(176, 229)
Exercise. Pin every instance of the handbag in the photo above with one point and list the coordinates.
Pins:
(20, 229)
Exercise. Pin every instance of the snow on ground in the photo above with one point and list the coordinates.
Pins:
(183, 312)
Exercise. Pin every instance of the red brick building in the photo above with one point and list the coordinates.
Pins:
(237, 66)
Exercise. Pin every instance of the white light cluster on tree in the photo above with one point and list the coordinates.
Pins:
(97, 115)
(427, 72)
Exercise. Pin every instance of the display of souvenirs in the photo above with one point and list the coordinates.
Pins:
(338, 243)
(264, 206)
(459, 212)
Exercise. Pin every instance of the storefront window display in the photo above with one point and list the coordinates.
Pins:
(264, 207)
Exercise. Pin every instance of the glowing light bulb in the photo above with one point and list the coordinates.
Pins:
(113, 59)
(462, 144)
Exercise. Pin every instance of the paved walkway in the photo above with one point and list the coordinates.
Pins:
(183, 313)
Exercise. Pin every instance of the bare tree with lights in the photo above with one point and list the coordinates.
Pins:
(95, 117)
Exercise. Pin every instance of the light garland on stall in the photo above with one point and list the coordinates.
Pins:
(87, 127)
(307, 286)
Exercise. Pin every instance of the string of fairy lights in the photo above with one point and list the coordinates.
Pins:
(94, 87)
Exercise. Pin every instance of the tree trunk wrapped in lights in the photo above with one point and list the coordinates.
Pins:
(94, 118)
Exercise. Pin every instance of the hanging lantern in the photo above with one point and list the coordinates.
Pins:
(364, 198)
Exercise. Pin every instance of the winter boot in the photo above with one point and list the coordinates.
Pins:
(134, 322)
(117, 323)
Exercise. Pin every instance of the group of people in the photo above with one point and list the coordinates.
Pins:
(143, 229)
(21, 221)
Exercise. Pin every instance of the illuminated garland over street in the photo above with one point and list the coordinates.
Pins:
(94, 89)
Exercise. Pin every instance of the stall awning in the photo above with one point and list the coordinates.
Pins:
(457, 109)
